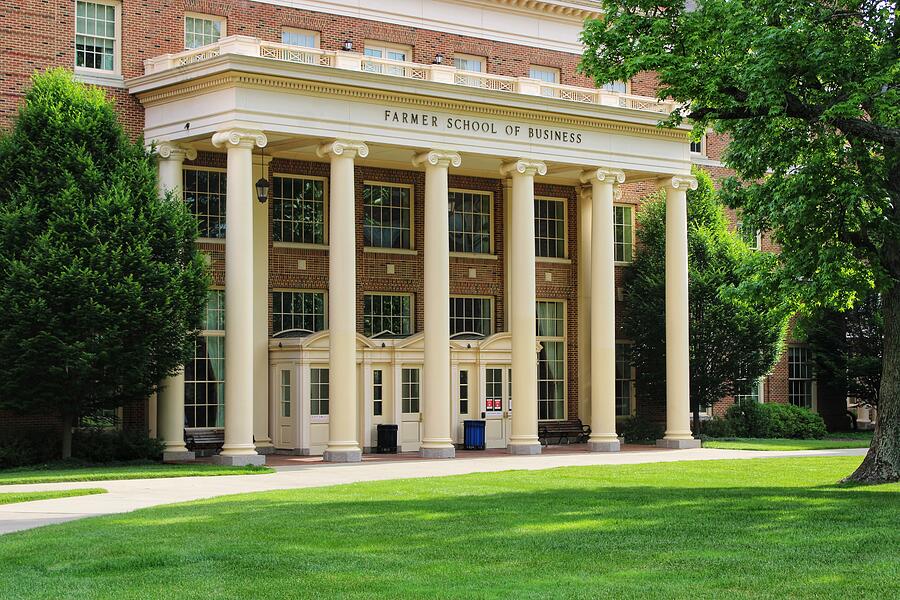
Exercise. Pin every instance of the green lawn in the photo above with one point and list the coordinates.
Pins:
(832, 441)
(759, 528)
(133, 471)
(15, 497)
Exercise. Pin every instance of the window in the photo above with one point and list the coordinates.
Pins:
(96, 36)
(410, 390)
(616, 86)
(624, 230)
(386, 313)
(470, 221)
(204, 375)
(200, 30)
(285, 393)
(800, 379)
(471, 315)
(747, 391)
(298, 310)
(551, 333)
(697, 146)
(389, 51)
(204, 193)
(463, 392)
(550, 227)
(377, 392)
(493, 390)
(467, 62)
(545, 74)
(387, 216)
(751, 237)
(300, 37)
(624, 380)
(318, 392)
(298, 210)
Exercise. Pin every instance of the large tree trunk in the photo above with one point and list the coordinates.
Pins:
(882, 463)
(68, 421)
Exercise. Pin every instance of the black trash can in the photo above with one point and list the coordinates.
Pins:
(473, 434)
(387, 439)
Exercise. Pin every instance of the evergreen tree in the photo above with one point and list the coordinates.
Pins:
(101, 285)
(731, 340)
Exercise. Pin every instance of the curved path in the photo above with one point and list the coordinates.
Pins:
(128, 495)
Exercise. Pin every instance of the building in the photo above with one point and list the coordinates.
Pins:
(450, 206)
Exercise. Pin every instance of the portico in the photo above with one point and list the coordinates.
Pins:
(328, 109)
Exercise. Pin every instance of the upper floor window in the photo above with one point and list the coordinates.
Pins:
(467, 62)
(204, 193)
(624, 231)
(377, 49)
(298, 310)
(97, 36)
(747, 390)
(469, 314)
(200, 30)
(751, 237)
(698, 146)
(387, 215)
(550, 227)
(300, 37)
(470, 221)
(387, 313)
(298, 209)
(616, 86)
(545, 74)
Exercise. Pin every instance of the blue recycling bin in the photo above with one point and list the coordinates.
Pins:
(473, 434)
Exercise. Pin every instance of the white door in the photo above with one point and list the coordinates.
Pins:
(496, 405)
(286, 419)
(410, 401)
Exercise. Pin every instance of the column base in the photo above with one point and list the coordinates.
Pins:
(439, 452)
(342, 456)
(177, 456)
(265, 448)
(524, 449)
(239, 460)
(680, 444)
(604, 446)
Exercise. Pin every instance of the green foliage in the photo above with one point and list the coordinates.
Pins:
(26, 447)
(773, 420)
(97, 446)
(638, 429)
(731, 337)
(716, 428)
(101, 285)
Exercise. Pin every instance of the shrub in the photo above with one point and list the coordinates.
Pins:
(102, 445)
(27, 448)
(774, 421)
(639, 429)
(749, 419)
(716, 428)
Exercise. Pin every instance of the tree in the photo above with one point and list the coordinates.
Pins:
(731, 340)
(101, 285)
(808, 93)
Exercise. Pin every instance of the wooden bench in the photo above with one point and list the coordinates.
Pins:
(204, 442)
(564, 430)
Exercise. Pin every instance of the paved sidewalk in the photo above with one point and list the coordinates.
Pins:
(128, 495)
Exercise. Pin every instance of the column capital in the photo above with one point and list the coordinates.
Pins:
(523, 166)
(173, 151)
(346, 148)
(437, 158)
(603, 175)
(678, 182)
(242, 138)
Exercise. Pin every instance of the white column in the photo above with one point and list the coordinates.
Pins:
(436, 441)
(584, 302)
(261, 435)
(170, 397)
(523, 439)
(603, 309)
(239, 448)
(678, 409)
(343, 445)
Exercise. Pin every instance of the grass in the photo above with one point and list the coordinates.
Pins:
(16, 497)
(759, 528)
(860, 439)
(58, 473)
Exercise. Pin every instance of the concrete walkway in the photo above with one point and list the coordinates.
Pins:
(128, 495)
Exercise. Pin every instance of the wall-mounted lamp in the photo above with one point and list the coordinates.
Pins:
(348, 46)
(439, 59)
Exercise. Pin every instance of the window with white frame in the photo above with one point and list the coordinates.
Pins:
(298, 209)
(204, 193)
(387, 216)
(200, 30)
(624, 379)
(470, 221)
(397, 52)
(616, 86)
(471, 314)
(800, 376)
(698, 146)
(545, 74)
(300, 37)
(285, 389)
(387, 313)
(298, 310)
(204, 375)
(97, 36)
(318, 391)
(751, 237)
(377, 392)
(463, 391)
(410, 390)
(468, 62)
(550, 227)
(551, 334)
(493, 390)
(624, 233)
(747, 391)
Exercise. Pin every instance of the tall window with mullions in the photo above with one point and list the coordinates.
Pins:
(298, 310)
(387, 216)
(471, 315)
(204, 193)
(551, 333)
(549, 228)
(298, 210)
(470, 221)
(204, 376)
